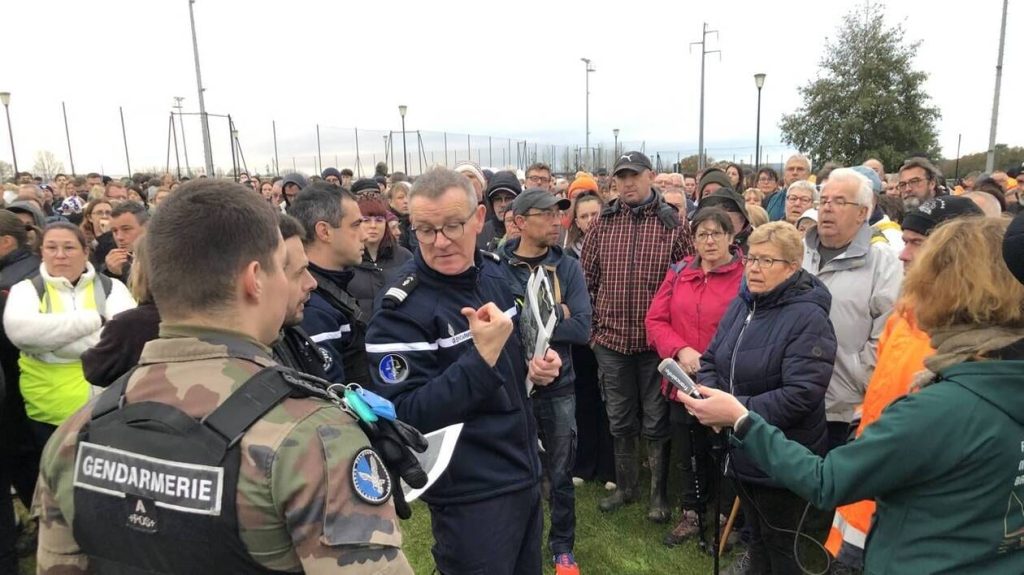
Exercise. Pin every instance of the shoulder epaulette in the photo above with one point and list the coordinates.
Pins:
(491, 256)
(397, 293)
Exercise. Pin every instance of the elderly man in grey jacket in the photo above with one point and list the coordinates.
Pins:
(864, 280)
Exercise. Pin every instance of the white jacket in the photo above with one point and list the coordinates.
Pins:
(60, 337)
(865, 282)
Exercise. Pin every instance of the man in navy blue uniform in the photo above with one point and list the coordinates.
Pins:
(538, 215)
(442, 347)
(333, 242)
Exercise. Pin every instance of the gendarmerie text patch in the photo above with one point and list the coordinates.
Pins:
(169, 484)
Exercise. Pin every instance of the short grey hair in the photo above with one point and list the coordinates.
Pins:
(865, 195)
(799, 157)
(433, 184)
(805, 186)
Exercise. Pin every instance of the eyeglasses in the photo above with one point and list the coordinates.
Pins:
(452, 231)
(705, 236)
(798, 200)
(538, 179)
(913, 182)
(761, 263)
(837, 203)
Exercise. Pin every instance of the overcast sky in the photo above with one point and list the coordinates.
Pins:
(508, 70)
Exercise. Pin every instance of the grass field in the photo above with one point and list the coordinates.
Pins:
(621, 543)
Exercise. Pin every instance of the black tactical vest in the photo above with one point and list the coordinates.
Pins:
(155, 488)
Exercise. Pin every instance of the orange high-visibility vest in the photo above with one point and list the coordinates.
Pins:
(902, 350)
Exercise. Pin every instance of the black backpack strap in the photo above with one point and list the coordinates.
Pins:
(339, 298)
(111, 398)
(248, 403)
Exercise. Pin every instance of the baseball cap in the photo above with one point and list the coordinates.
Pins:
(934, 211)
(535, 198)
(632, 161)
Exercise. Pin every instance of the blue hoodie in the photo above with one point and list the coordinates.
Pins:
(569, 287)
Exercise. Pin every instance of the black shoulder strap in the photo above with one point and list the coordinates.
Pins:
(40, 285)
(248, 403)
(110, 399)
(106, 282)
(668, 214)
(339, 298)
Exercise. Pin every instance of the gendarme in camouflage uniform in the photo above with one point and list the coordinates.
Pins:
(296, 501)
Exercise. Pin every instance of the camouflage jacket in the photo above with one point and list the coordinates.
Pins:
(296, 506)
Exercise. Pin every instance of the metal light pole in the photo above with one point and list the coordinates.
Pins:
(703, 56)
(616, 150)
(67, 134)
(124, 136)
(759, 82)
(207, 147)
(277, 163)
(184, 142)
(990, 158)
(234, 156)
(590, 69)
(405, 155)
(5, 99)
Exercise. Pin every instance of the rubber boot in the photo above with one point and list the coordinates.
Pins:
(627, 472)
(657, 459)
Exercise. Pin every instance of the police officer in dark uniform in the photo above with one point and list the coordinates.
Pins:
(333, 320)
(209, 457)
(444, 348)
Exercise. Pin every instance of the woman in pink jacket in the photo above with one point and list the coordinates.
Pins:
(681, 322)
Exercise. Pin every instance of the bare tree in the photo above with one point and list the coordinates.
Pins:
(47, 165)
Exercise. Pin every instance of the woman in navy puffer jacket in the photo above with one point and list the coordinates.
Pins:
(774, 351)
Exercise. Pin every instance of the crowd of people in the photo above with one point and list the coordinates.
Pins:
(174, 353)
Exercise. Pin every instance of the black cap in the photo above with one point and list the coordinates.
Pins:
(365, 184)
(330, 172)
(504, 181)
(934, 211)
(632, 161)
(727, 199)
(535, 198)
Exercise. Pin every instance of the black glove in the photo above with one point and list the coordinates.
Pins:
(395, 442)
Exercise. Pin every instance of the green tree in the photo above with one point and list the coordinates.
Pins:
(867, 100)
(689, 163)
(1005, 158)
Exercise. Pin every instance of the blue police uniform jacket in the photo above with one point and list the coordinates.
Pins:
(423, 359)
(330, 329)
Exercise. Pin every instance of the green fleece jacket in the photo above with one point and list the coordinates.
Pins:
(945, 465)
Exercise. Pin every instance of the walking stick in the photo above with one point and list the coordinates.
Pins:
(728, 525)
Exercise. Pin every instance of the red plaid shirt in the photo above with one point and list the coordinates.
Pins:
(625, 256)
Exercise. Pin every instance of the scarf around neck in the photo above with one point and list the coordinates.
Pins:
(957, 344)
